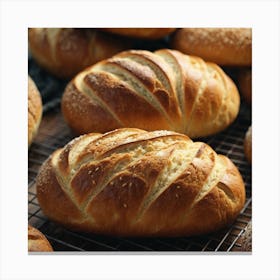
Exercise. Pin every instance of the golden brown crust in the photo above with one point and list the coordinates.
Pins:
(224, 46)
(244, 80)
(35, 110)
(248, 145)
(37, 242)
(130, 182)
(161, 90)
(66, 51)
(141, 33)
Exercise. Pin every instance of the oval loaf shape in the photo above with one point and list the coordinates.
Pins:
(64, 52)
(152, 91)
(130, 182)
(224, 46)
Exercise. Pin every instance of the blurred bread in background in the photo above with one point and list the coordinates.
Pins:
(244, 82)
(35, 110)
(224, 46)
(142, 33)
(248, 145)
(66, 51)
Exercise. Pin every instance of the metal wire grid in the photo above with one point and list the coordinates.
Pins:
(54, 133)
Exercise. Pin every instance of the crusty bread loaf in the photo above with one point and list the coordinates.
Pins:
(35, 110)
(161, 90)
(142, 33)
(66, 51)
(248, 145)
(224, 46)
(244, 80)
(129, 182)
(37, 242)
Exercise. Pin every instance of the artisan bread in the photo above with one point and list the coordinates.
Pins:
(161, 90)
(35, 110)
(37, 242)
(244, 81)
(66, 51)
(224, 46)
(141, 33)
(248, 144)
(130, 182)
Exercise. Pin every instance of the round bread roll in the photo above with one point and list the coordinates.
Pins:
(142, 33)
(37, 242)
(244, 80)
(248, 145)
(246, 239)
(35, 110)
(224, 46)
(66, 51)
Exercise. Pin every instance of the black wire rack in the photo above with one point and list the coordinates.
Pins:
(54, 133)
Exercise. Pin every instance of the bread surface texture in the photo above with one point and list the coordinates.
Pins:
(142, 33)
(66, 51)
(152, 91)
(37, 242)
(224, 46)
(35, 110)
(130, 182)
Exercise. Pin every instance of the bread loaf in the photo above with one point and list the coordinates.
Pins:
(248, 144)
(66, 51)
(224, 46)
(129, 182)
(244, 80)
(142, 33)
(152, 91)
(35, 110)
(37, 242)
